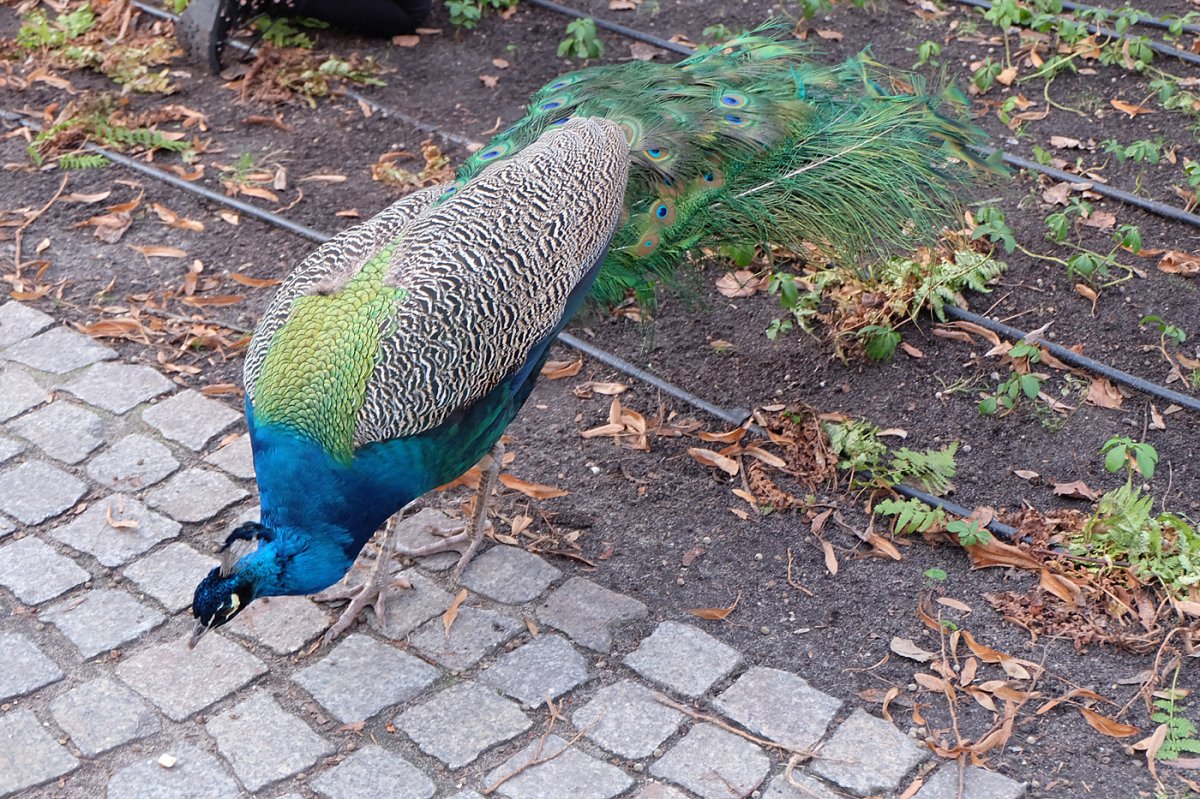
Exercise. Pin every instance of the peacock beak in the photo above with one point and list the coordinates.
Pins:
(198, 632)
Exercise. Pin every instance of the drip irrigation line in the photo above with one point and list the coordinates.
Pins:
(999, 528)
(1149, 22)
(383, 111)
(1073, 358)
(1158, 47)
(615, 27)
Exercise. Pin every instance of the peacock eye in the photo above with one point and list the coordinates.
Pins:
(231, 605)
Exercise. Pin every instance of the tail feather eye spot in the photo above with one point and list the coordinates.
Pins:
(493, 152)
(735, 119)
(663, 212)
(656, 153)
(562, 121)
(550, 105)
(733, 100)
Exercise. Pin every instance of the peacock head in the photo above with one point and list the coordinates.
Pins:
(228, 589)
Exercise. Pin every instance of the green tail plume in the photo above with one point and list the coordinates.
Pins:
(751, 143)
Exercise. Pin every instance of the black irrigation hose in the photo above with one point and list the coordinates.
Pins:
(1150, 22)
(1158, 47)
(615, 27)
(1073, 358)
(999, 528)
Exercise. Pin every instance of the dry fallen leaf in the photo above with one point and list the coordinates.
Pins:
(716, 614)
(710, 458)
(490, 81)
(1180, 263)
(742, 283)
(1107, 726)
(406, 40)
(158, 251)
(1130, 108)
(831, 562)
(1104, 394)
(556, 370)
(905, 648)
(452, 612)
(533, 490)
(1076, 490)
(254, 282)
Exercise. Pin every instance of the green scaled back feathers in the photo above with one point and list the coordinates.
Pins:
(750, 143)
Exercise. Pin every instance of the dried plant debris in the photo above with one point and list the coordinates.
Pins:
(283, 74)
(110, 122)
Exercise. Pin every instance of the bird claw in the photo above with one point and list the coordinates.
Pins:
(371, 593)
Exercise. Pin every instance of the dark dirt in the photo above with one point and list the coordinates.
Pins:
(645, 514)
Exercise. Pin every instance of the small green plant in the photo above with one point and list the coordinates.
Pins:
(990, 224)
(970, 533)
(37, 32)
(1017, 384)
(282, 33)
(716, 34)
(468, 13)
(1168, 331)
(927, 53)
(912, 516)
(984, 77)
(1181, 731)
(934, 576)
(859, 451)
(581, 41)
(1138, 151)
(1122, 452)
(82, 161)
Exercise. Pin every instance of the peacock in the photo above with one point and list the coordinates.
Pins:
(394, 357)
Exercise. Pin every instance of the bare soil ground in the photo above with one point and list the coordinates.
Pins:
(657, 524)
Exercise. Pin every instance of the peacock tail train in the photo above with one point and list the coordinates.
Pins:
(751, 143)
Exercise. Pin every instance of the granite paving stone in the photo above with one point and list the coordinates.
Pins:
(548, 666)
(809, 788)
(362, 676)
(190, 418)
(428, 526)
(170, 574)
(656, 790)
(282, 623)
(132, 463)
(24, 668)
(713, 763)
(683, 658)
(978, 783)
(29, 755)
(588, 613)
(59, 351)
(102, 620)
(195, 775)
(10, 448)
(461, 723)
(115, 529)
(63, 430)
(32, 570)
(627, 720)
(372, 773)
(102, 714)
(195, 495)
(34, 491)
(7, 527)
(867, 755)
(569, 774)
(180, 682)
(19, 392)
(408, 609)
(264, 743)
(467, 795)
(475, 632)
(118, 387)
(236, 458)
(19, 321)
(780, 706)
(510, 575)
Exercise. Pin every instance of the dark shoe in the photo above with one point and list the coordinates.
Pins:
(202, 30)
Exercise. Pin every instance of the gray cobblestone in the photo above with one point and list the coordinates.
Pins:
(62, 430)
(195, 775)
(510, 575)
(780, 706)
(170, 574)
(371, 773)
(19, 392)
(461, 723)
(868, 755)
(190, 418)
(474, 633)
(101, 715)
(59, 351)
(810, 788)
(548, 666)
(118, 387)
(25, 668)
(588, 612)
(35, 491)
(656, 790)
(236, 457)
(428, 526)
(33, 571)
(180, 683)
(683, 658)
(18, 321)
(713, 763)
(102, 620)
(362, 676)
(132, 463)
(115, 529)
(626, 719)
(467, 795)
(29, 756)
(281, 623)
(265, 744)
(978, 783)
(571, 773)
(7, 527)
(195, 495)
(9, 448)
(406, 610)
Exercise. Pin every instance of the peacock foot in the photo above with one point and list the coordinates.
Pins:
(463, 539)
(370, 593)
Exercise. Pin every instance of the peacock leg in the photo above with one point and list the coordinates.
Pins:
(469, 539)
(371, 593)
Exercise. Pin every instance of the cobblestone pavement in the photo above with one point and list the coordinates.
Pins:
(113, 483)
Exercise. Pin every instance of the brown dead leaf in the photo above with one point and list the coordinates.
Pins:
(905, 648)
(641, 51)
(831, 562)
(716, 614)
(406, 40)
(1100, 220)
(607, 389)
(930, 682)
(532, 490)
(557, 370)
(1065, 143)
(254, 282)
(728, 437)
(1076, 490)
(997, 553)
(830, 35)
(1007, 76)
(911, 350)
(1057, 194)
(1105, 725)
(622, 5)
(220, 300)
(1179, 263)
(490, 81)
(119, 524)
(1102, 393)
(1088, 293)
(1131, 109)
(158, 251)
(452, 612)
(713, 459)
(958, 605)
(741, 283)
(1060, 586)
(1069, 695)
